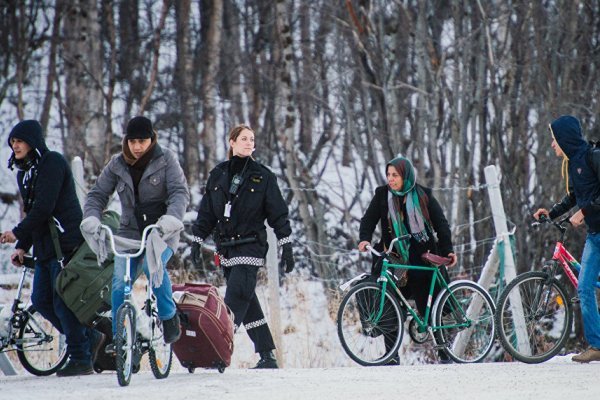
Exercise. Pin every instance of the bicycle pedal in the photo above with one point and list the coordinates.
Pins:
(575, 300)
(441, 346)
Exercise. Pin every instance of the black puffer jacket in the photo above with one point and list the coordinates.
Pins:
(378, 212)
(258, 199)
(53, 196)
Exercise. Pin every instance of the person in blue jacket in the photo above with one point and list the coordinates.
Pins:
(47, 187)
(581, 168)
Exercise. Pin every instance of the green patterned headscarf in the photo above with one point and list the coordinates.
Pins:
(416, 207)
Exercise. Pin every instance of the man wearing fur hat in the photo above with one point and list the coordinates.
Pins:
(48, 190)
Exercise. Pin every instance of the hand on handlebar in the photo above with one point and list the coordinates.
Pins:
(362, 246)
(540, 212)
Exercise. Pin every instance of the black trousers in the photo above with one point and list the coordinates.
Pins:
(240, 296)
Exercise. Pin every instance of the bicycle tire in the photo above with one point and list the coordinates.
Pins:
(548, 331)
(125, 342)
(365, 342)
(466, 344)
(40, 348)
(160, 353)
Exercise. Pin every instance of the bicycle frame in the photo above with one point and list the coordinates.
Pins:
(566, 260)
(385, 279)
(127, 277)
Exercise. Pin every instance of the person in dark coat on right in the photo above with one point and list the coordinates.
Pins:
(581, 168)
(240, 195)
(405, 207)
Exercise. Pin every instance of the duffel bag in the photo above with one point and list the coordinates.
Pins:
(85, 286)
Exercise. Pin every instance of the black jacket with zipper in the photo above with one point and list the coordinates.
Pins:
(53, 196)
(377, 212)
(258, 199)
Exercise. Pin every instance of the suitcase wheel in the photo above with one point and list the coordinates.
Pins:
(221, 369)
(98, 369)
(191, 370)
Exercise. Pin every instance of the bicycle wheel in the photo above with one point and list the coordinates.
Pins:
(366, 340)
(160, 354)
(535, 327)
(125, 343)
(40, 347)
(466, 301)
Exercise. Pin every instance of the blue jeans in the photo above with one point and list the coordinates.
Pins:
(48, 303)
(163, 294)
(588, 276)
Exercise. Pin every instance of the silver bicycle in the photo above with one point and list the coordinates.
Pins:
(40, 347)
(130, 345)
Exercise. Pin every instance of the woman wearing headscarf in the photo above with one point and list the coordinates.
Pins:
(405, 207)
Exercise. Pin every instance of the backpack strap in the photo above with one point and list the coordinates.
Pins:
(57, 249)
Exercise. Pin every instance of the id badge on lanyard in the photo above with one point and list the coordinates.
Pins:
(227, 212)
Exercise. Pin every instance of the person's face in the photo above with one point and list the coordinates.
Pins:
(557, 149)
(138, 146)
(394, 179)
(20, 148)
(243, 146)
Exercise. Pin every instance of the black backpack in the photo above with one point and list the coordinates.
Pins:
(589, 157)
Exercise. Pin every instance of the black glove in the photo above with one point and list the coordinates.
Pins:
(287, 258)
(196, 254)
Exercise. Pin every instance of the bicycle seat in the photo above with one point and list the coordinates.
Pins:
(434, 259)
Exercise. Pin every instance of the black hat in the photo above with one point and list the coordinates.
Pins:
(139, 128)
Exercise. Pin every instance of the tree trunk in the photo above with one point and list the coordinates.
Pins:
(84, 101)
(185, 85)
(209, 85)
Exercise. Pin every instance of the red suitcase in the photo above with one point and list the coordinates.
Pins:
(206, 327)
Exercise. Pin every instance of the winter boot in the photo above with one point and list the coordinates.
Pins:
(96, 339)
(74, 368)
(267, 360)
(171, 329)
(591, 354)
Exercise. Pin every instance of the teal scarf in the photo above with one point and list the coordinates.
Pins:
(417, 222)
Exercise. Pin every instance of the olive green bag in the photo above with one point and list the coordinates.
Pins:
(85, 286)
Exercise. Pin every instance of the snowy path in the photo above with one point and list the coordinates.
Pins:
(512, 381)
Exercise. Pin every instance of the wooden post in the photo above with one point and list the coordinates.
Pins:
(510, 271)
(80, 185)
(274, 303)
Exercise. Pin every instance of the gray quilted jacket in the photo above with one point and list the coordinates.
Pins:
(162, 179)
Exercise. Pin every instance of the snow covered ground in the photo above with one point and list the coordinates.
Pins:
(554, 380)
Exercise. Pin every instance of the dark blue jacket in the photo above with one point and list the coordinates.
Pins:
(583, 172)
(53, 196)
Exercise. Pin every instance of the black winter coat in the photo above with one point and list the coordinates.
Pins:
(378, 212)
(258, 199)
(53, 196)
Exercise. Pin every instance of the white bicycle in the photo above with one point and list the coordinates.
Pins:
(130, 345)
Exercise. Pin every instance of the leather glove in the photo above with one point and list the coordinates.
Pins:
(287, 258)
(197, 251)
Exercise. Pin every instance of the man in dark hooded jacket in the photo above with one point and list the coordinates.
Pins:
(581, 168)
(48, 190)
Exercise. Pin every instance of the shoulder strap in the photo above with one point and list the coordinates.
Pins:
(54, 234)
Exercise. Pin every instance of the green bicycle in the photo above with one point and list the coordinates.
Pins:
(371, 316)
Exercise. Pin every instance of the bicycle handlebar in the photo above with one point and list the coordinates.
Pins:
(111, 239)
(391, 246)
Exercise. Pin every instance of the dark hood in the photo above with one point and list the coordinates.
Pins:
(30, 131)
(568, 135)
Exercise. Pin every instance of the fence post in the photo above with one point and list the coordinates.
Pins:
(510, 271)
(274, 303)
